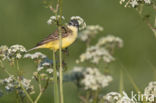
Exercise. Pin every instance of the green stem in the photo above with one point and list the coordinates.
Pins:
(2, 65)
(28, 96)
(133, 82)
(40, 88)
(155, 22)
(60, 54)
(24, 90)
(17, 97)
(56, 95)
(96, 96)
(38, 97)
(121, 82)
(18, 68)
(21, 85)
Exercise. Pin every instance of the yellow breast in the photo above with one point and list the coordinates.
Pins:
(66, 41)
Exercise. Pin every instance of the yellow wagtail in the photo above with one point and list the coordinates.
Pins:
(69, 35)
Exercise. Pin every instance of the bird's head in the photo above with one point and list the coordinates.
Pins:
(74, 23)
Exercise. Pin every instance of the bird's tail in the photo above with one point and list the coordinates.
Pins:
(33, 49)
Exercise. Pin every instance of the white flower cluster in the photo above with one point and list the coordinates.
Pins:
(82, 24)
(37, 55)
(150, 90)
(111, 97)
(77, 69)
(114, 97)
(44, 69)
(110, 40)
(90, 31)
(54, 19)
(43, 65)
(101, 51)
(3, 52)
(95, 54)
(11, 83)
(94, 80)
(16, 52)
(134, 3)
(27, 84)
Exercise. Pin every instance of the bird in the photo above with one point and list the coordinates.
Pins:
(69, 35)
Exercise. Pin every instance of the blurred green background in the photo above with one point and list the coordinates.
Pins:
(24, 22)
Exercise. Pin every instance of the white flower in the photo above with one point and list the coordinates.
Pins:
(40, 68)
(147, 1)
(90, 31)
(122, 1)
(9, 79)
(3, 52)
(15, 51)
(46, 64)
(134, 3)
(49, 21)
(53, 19)
(49, 70)
(94, 80)
(102, 51)
(111, 97)
(77, 69)
(37, 55)
(125, 99)
(114, 97)
(26, 83)
(82, 24)
(95, 54)
(150, 89)
(110, 39)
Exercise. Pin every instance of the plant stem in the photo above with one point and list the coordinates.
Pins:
(56, 95)
(21, 85)
(95, 96)
(121, 82)
(38, 97)
(24, 90)
(60, 54)
(18, 69)
(41, 91)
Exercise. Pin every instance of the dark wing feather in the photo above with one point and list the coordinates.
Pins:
(55, 36)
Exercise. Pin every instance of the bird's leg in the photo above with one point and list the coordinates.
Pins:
(65, 51)
(64, 65)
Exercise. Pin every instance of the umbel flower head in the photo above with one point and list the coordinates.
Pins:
(37, 55)
(110, 42)
(10, 83)
(90, 32)
(88, 78)
(95, 54)
(54, 19)
(150, 90)
(135, 3)
(3, 52)
(44, 70)
(111, 97)
(94, 80)
(102, 51)
(16, 52)
(115, 97)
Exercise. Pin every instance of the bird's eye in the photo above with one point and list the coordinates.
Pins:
(70, 23)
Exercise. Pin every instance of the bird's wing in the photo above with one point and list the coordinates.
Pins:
(55, 36)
